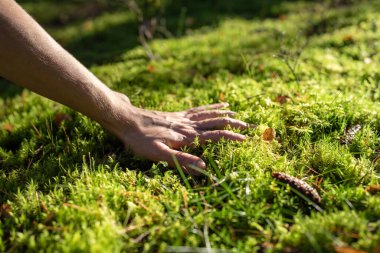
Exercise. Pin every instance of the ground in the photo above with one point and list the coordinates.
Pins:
(303, 72)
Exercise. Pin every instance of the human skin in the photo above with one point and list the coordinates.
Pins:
(31, 58)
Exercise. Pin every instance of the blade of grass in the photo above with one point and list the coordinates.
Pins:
(182, 174)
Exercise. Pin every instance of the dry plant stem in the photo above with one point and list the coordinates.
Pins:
(31, 58)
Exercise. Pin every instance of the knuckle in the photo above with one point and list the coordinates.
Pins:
(191, 134)
(226, 120)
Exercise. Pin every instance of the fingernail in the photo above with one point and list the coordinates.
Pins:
(200, 164)
(196, 168)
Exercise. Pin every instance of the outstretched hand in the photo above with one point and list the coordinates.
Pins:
(32, 59)
(158, 136)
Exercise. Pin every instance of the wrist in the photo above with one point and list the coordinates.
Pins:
(121, 115)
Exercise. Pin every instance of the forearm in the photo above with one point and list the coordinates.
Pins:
(31, 58)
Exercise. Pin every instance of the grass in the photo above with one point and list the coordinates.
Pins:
(307, 70)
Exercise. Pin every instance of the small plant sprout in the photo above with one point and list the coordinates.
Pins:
(290, 53)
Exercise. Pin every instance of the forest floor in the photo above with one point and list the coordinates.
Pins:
(305, 73)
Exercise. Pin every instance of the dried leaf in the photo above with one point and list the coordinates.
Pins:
(8, 127)
(348, 38)
(5, 210)
(282, 99)
(88, 25)
(373, 189)
(221, 97)
(60, 117)
(347, 249)
(150, 68)
(189, 21)
(274, 75)
(267, 245)
(269, 134)
(282, 17)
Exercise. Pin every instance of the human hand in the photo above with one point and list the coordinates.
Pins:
(158, 136)
(50, 71)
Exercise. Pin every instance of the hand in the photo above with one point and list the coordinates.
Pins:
(32, 59)
(158, 135)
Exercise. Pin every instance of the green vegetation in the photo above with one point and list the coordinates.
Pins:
(307, 70)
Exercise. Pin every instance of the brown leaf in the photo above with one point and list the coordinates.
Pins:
(88, 25)
(60, 117)
(348, 38)
(221, 97)
(282, 99)
(8, 127)
(267, 245)
(282, 17)
(347, 249)
(150, 68)
(189, 21)
(274, 75)
(373, 189)
(269, 134)
(5, 210)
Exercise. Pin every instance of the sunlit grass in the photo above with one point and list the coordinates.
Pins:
(70, 186)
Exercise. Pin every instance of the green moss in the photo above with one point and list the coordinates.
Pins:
(72, 187)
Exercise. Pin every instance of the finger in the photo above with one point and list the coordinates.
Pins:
(185, 160)
(189, 137)
(170, 115)
(220, 123)
(207, 107)
(217, 135)
(210, 114)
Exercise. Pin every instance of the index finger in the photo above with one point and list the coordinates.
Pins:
(207, 107)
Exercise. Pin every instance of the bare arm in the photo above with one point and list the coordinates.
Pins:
(31, 58)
